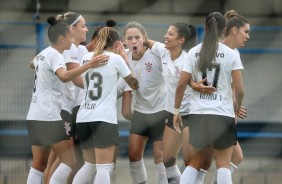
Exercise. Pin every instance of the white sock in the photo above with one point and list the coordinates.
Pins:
(173, 174)
(189, 175)
(233, 167)
(85, 174)
(60, 176)
(161, 174)
(224, 176)
(103, 174)
(201, 177)
(34, 176)
(138, 172)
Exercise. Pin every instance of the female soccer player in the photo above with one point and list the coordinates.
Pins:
(211, 115)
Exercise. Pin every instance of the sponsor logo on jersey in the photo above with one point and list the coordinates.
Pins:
(90, 106)
(176, 71)
(210, 97)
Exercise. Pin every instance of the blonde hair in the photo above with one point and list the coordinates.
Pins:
(106, 38)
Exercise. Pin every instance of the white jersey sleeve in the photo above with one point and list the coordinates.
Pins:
(122, 86)
(159, 49)
(71, 55)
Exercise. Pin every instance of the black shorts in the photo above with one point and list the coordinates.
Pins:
(46, 133)
(70, 122)
(169, 120)
(216, 130)
(149, 125)
(97, 134)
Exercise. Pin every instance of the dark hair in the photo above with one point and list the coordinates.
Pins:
(106, 38)
(214, 28)
(233, 19)
(109, 23)
(188, 32)
(56, 29)
(70, 18)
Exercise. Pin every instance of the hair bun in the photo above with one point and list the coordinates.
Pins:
(110, 23)
(231, 13)
(52, 20)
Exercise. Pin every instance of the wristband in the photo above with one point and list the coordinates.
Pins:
(176, 111)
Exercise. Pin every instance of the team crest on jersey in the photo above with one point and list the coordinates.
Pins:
(176, 71)
(149, 66)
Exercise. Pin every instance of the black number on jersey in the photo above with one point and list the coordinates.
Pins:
(35, 79)
(212, 75)
(94, 92)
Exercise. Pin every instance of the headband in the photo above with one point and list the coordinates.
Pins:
(76, 20)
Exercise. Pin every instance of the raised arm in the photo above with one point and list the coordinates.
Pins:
(149, 43)
(68, 75)
(131, 81)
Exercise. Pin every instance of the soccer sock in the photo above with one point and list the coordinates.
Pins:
(160, 173)
(189, 175)
(233, 167)
(138, 172)
(201, 176)
(34, 176)
(224, 176)
(103, 174)
(60, 176)
(85, 174)
(173, 174)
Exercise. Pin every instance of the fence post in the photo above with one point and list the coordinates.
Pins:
(40, 37)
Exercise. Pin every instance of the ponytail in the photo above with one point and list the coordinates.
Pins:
(215, 24)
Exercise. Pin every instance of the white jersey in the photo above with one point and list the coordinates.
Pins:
(171, 73)
(100, 85)
(73, 55)
(79, 93)
(121, 87)
(150, 95)
(48, 88)
(220, 102)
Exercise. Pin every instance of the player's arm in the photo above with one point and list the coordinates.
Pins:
(200, 87)
(179, 93)
(132, 81)
(238, 89)
(78, 80)
(31, 63)
(126, 105)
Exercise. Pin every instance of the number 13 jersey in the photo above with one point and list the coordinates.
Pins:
(100, 85)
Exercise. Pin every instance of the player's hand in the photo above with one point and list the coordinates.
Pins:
(121, 51)
(177, 123)
(99, 60)
(242, 113)
(201, 88)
